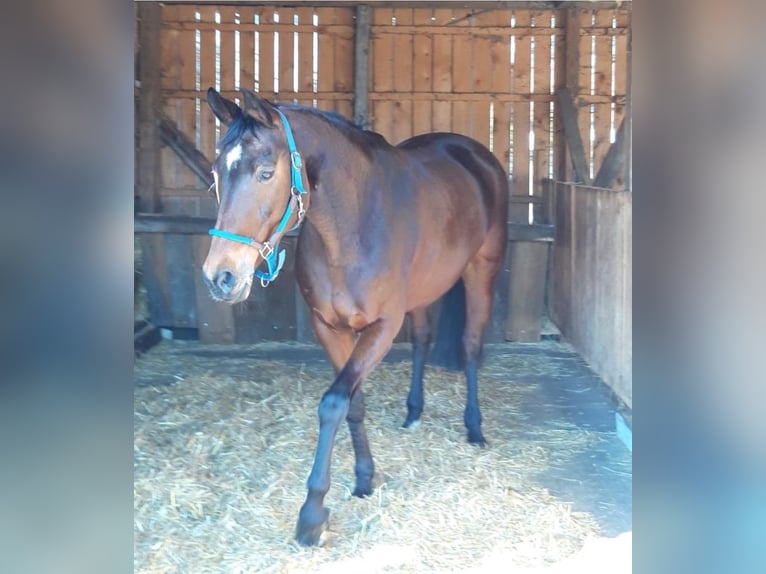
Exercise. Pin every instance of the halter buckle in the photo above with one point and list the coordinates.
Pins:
(266, 250)
(296, 160)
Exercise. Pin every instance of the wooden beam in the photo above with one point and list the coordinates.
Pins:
(177, 224)
(194, 159)
(568, 113)
(149, 105)
(614, 160)
(361, 64)
(530, 232)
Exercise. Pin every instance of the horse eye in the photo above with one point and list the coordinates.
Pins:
(264, 174)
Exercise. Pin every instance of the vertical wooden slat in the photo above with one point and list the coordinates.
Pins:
(560, 78)
(188, 75)
(207, 79)
(422, 72)
(501, 84)
(541, 118)
(247, 49)
(501, 131)
(266, 54)
(521, 125)
(305, 52)
(150, 102)
(326, 58)
(621, 67)
(227, 49)
(462, 63)
(285, 47)
(442, 116)
(462, 117)
(382, 70)
(603, 81)
(344, 59)
(170, 72)
(583, 114)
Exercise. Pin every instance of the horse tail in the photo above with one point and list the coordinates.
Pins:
(448, 344)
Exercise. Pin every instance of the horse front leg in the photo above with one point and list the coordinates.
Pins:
(372, 345)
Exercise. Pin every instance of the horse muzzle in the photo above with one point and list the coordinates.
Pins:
(227, 285)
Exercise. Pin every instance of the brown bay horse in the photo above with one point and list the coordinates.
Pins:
(385, 231)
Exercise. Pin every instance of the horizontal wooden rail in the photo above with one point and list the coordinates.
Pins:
(187, 225)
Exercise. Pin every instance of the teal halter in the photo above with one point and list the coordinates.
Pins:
(276, 259)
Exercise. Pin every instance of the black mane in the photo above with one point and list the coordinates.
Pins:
(245, 123)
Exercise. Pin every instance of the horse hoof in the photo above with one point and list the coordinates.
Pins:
(411, 424)
(308, 532)
(477, 439)
(363, 491)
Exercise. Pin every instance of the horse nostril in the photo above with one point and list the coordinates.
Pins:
(225, 281)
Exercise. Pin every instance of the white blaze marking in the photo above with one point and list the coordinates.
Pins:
(233, 156)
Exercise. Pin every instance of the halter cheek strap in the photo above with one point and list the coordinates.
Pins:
(273, 258)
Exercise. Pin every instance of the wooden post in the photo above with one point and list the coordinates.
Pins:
(526, 293)
(628, 106)
(571, 80)
(361, 61)
(149, 104)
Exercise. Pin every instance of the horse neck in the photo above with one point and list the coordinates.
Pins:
(337, 174)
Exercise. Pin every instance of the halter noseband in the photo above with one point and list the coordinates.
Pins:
(268, 250)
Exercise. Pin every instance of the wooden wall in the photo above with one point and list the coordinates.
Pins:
(590, 296)
(488, 73)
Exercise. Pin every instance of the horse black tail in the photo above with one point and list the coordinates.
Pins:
(448, 344)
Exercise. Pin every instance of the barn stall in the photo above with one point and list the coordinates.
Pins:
(226, 402)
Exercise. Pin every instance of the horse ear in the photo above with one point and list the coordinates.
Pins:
(258, 108)
(225, 110)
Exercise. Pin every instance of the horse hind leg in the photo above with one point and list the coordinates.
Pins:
(478, 278)
(421, 341)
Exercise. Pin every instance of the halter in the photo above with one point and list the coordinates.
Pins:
(268, 250)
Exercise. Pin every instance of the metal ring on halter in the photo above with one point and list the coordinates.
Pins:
(266, 250)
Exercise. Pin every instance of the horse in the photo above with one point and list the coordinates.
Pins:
(384, 232)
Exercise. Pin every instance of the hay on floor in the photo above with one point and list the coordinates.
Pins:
(221, 462)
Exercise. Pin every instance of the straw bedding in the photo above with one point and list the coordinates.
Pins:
(222, 454)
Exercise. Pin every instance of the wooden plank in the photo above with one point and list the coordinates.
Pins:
(207, 79)
(442, 116)
(382, 52)
(286, 44)
(612, 170)
(482, 65)
(246, 48)
(462, 118)
(462, 63)
(326, 56)
(568, 115)
(422, 66)
(602, 120)
(155, 279)
(227, 49)
(184, 149)
(403, 52)
(531, 232)
(584, 119)
(382, 118)
(480, 127)
(187, 122)
(266, 53)
(560, 167)
(361, 66)
(526, 292)
(521, 175)
(344, 58)
(541, 119)
(215, 320)
(442, 63)
(501, 134)
(422, 112)
(401, 128)
(149, 105)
